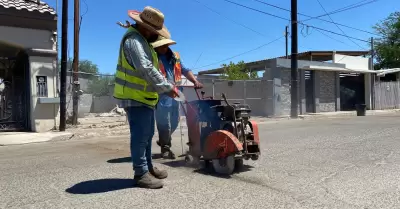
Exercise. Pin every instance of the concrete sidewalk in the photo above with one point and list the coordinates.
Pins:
(14, 138)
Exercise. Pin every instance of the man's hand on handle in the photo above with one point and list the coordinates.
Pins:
(173, 93)
(198, 85)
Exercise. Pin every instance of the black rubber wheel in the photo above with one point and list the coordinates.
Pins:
(224, 166)
(239, 164)
(208, 165)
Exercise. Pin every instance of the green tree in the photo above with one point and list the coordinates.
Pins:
(237, 71)
(85, 66)
(100, 86)
(387, 47)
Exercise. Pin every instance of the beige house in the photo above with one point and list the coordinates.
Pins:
(28, 61)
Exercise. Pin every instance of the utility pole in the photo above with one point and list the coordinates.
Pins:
(286, 41)
(64, 54)
(57, 48)
(372, 75)
(294, 84)
(75, 93)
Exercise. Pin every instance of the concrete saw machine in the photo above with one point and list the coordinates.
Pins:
(221, 134)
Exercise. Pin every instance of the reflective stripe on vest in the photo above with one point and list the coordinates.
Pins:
(177, 69)
(129, 83)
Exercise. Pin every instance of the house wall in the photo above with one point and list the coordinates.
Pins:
(28, 38)
(327, 91)
(42, 115)
(281, 85)
(280, 91)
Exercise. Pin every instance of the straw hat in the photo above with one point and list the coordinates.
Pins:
(161, 41)
(152, 19)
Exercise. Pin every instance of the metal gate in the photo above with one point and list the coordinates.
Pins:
(13, 94)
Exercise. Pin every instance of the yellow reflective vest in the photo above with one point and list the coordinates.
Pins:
(129, 83)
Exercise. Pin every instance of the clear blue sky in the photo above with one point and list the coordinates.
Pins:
(208, 37)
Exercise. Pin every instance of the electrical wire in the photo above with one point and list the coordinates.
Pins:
(333, 38)
(311, 26)
(346, 8)
(319, 2)
(250, 8)
(227, 59)
(288, 10)
(235, 22)
(240, 24)
(321, 29)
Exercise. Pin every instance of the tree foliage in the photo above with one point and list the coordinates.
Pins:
(85, 66)
(387, 47)
(237, 71)
(100, 86)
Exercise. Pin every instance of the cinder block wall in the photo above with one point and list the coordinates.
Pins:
(327, 92)
(285, 96)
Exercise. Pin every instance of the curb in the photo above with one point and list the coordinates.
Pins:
(30, 138)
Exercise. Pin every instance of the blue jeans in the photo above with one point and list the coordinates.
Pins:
(141, 125)
(167, 118)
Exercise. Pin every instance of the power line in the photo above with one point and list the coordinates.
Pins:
(235, 22)
(288, 10)
(241, 5)
(338, 26)
(227, 59)
(321, 29)
(240, 24)
(352, 6)
(311, 26)
(333, 38)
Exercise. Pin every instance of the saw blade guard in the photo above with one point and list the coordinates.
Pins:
(221, 144)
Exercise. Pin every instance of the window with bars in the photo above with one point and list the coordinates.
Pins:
(41, 86)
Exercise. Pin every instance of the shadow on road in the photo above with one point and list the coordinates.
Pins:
(207, 170)
(100, 186)
(120, 160)
(129, 160)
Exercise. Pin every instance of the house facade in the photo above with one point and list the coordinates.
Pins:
(28, 66)
(328, 81)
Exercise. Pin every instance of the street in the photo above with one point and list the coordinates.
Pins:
(349, 162)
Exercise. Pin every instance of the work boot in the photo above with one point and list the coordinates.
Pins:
(148, 181)
(159, 174)
(167, 154)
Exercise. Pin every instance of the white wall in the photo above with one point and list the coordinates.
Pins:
(43, 115)
(351, 62)
(28, 38)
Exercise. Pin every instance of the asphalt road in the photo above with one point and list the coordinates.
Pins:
(327, 163)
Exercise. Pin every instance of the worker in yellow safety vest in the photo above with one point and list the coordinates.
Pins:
(167, 111)
(138, 82)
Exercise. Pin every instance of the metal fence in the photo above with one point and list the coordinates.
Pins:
(387, 95)
(93, 86)
(251, 92)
